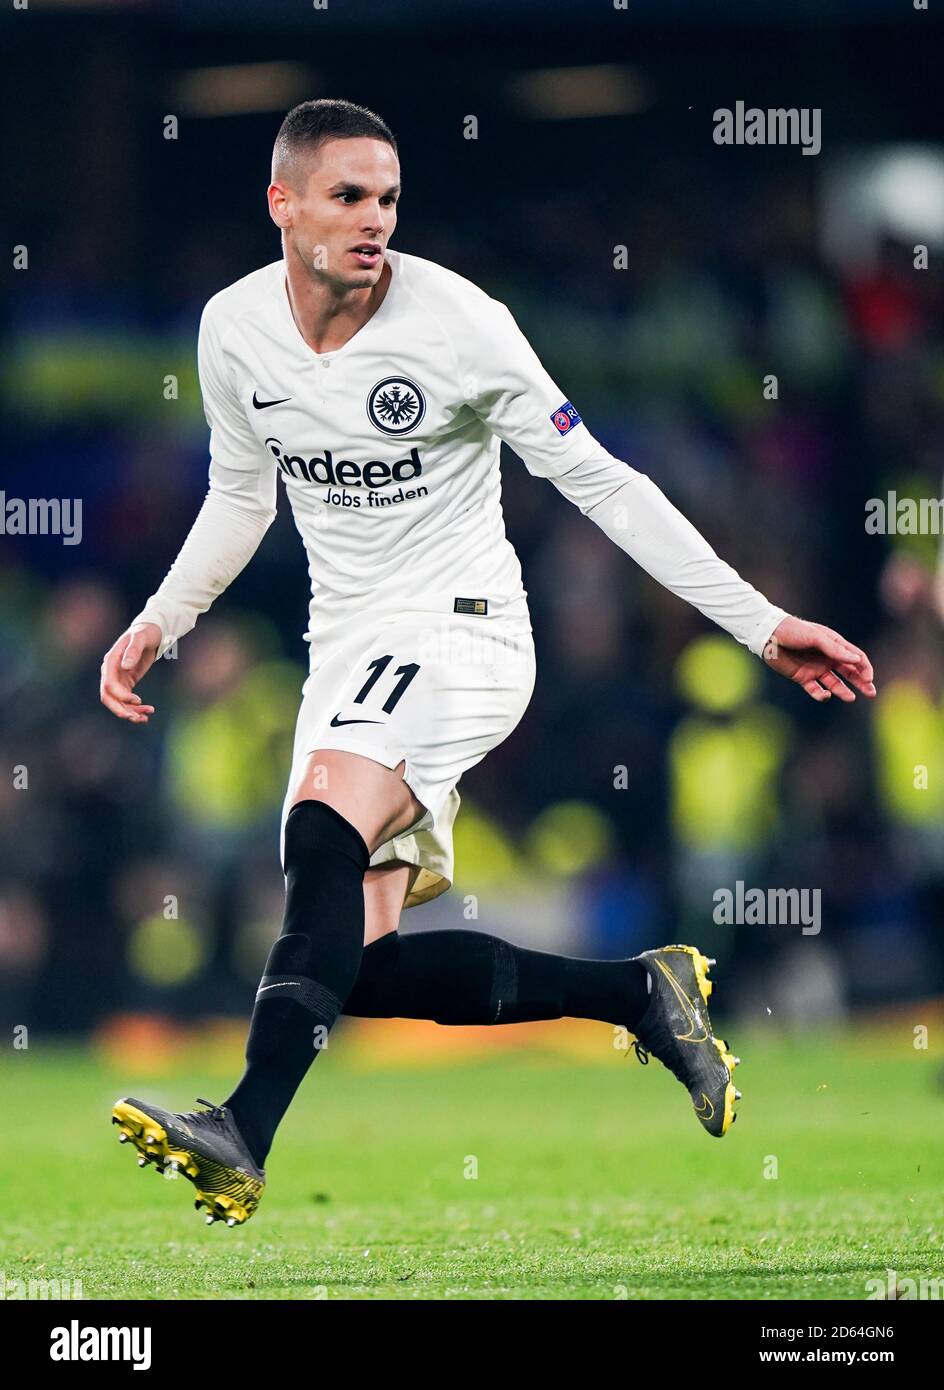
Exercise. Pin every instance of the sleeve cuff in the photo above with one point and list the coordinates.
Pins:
(765, 629)
(167, 640)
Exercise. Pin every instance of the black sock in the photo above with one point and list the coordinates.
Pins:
(311, 968)
(463, 977)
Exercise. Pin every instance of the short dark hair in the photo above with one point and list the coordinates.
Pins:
(308, 125)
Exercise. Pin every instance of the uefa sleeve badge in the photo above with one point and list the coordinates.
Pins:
(565, 417)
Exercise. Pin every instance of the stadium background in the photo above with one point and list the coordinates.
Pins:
(139, 882)
(741, 262)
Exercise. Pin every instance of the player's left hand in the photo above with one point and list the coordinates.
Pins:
(819, 659)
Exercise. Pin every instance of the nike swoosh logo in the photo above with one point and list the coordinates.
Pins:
(707, 1109)
(688, 1006)
(280, 985)
(264, 405)
(336, 722)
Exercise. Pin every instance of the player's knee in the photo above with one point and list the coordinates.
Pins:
(315, 833)
(325, 863)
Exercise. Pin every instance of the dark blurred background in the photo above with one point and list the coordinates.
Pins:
(658, 762)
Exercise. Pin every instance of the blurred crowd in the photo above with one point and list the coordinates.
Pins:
(658, 762)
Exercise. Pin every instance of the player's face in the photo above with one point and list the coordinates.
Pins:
(343, 218)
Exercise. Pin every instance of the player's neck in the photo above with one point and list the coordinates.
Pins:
(328, 318)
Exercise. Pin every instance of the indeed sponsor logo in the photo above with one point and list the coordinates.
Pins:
(323, 468)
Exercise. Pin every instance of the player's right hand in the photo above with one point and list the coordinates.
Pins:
(132, 655)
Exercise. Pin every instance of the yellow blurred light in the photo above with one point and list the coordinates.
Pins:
(484, 854)
(241, 89)
(604, 89)
(717, 674)
(909, 733)
(226, 763)
(724, 778)
(569, 838)
(165, 952)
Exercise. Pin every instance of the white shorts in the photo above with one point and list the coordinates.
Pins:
(436, 692)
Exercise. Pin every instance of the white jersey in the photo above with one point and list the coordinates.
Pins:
(387, 447)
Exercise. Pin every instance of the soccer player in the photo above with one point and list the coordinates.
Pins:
(375, 387)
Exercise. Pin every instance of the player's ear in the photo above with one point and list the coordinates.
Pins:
(278, 199)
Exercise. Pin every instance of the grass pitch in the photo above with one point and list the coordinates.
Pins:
(520, 1175)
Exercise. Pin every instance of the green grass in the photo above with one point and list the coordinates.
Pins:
(594, 1181)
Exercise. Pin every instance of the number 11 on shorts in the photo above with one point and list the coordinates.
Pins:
(377, 667)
